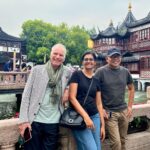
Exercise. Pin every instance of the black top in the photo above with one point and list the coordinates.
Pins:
(83, 86)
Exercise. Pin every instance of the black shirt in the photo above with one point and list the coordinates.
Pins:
(83, 86)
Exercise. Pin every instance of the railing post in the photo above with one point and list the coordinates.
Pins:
(13, 80)
(148, 92)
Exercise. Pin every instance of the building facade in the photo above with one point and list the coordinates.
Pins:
(10, 44)
(132, 36)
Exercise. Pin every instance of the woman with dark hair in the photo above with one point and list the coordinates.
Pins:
(92, 111)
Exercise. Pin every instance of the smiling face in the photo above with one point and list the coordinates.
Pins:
(114, 60)
(88, 61)
(57, 55)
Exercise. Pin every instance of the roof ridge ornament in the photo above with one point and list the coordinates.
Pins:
(130, 7)
(111, 23)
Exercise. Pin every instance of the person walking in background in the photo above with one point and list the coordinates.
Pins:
(113, 79)
(42, 100)
(23, 67)
(8, 66)
(92, 111)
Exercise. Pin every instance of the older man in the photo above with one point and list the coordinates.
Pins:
(42, 100)
(114, 79)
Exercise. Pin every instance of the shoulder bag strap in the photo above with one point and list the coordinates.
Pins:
(87, 94)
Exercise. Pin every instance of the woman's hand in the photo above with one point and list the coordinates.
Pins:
(102, 133)
(89, 123)
(65, 97)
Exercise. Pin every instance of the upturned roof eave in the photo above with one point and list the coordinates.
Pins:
(6, 37)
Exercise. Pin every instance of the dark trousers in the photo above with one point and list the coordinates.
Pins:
(44, 137)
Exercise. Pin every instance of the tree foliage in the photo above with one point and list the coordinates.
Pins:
(41, 36)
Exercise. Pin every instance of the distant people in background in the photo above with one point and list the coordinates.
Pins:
(29, 68)
(23, 67)
(8, 66)
(17, 68)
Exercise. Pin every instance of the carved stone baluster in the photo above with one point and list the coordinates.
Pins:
(6, 78)
(23, 79)
(18, 79)
(11, 79)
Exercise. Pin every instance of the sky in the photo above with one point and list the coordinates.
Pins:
(87, 13)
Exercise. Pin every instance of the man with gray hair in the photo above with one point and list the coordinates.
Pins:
(42, 101)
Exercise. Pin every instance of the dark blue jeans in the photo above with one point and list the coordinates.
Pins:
(44, 137)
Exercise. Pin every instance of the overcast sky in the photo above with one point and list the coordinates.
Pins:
(88, 13)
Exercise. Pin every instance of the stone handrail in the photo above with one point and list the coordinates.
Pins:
(141, 110)
(9, 132)
(13, 80)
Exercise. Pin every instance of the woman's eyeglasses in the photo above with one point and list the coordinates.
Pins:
(88, 59)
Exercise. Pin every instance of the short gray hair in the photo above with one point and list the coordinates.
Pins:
(61, 46)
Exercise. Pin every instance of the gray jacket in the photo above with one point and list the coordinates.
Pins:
(34, 92)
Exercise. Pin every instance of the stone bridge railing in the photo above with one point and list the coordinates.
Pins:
(13, 79)
(136, 141)
(10, 81)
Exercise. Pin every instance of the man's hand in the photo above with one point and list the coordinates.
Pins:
(129, 111)
(23, 126)
(106, 116)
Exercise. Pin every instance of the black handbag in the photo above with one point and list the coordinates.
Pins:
(71, 118)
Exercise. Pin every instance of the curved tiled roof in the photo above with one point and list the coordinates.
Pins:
(140, 22)
(110, 31)
(122, 30)
(129, 19)
(6, 37)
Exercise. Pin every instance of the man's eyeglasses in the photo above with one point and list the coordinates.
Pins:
(88, 59)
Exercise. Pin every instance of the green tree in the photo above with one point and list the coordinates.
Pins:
(42, 54)
(41, 36)
(77, 44)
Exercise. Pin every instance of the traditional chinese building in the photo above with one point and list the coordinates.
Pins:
(132, 36)
(10, 44)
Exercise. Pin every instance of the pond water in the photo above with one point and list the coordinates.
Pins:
(7, 105)
(139, 98)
